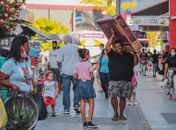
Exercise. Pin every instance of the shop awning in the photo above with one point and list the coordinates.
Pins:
(151, 7)
(53, 37)
(31, 31)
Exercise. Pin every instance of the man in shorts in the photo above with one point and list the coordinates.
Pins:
(121, 65)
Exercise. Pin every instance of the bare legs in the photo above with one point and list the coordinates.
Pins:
(114, 103)
(83, 107)
(53, 109)
(122, 105)
(91, 109)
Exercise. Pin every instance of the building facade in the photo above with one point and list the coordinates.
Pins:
(69, 12)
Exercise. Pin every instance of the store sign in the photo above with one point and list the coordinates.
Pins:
(79, 17)
(151, 21)
(93, 35)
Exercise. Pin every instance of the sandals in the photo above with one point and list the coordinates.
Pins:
(123, 118)
(115, 117)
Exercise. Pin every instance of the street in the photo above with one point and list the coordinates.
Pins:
(154, 111)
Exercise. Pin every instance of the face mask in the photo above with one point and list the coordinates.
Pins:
(23, 55)
(172, 53)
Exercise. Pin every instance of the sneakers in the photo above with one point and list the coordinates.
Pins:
(85, 125)
(77, 110)
(66, 111)
(53, 114)
(91, 125)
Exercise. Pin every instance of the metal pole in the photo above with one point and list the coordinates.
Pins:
(49, 14)
(118, 6)
(74, 15)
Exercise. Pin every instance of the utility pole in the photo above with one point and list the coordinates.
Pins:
(49, 14)
(118, 6)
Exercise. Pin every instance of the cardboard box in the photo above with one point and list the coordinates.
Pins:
(122, 31)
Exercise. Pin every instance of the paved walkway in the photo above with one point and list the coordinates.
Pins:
(154, 111)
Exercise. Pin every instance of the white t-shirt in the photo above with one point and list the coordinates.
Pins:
(53, 56)
(49, 89)
(20, 74)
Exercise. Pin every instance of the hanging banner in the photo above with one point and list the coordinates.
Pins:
(151, 20)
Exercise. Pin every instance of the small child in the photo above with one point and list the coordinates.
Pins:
(133, 97)
(86, 92)
(50, 91)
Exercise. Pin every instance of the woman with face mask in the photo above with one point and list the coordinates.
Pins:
(16, 73)
(170, 72)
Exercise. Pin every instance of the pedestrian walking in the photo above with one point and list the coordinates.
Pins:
(53, 63)
(143, 62)
(155, 61)
(86, 92)
(68, 57)
(121, 65)
(103, 69)
(170, 72)
(50, 91)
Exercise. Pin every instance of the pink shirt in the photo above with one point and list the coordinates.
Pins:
(83, 69)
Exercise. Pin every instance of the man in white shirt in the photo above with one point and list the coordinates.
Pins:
(69, 57)
(53, 63)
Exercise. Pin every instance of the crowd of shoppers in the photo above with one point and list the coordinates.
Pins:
(70, 67)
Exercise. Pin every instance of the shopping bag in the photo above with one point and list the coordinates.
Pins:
(22, 112)
(43, 113)
(3, 115)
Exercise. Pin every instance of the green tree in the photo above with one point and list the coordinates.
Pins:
(47, 26)
(107, 5)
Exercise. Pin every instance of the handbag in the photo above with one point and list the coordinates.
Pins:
(43, 113)
(3, 115)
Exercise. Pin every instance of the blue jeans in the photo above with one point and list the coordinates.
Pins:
(67, 79)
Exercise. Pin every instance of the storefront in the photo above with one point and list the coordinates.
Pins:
(152, 17)
(164, 12)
